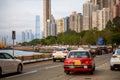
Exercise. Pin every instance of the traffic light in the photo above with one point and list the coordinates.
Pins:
(13, 35)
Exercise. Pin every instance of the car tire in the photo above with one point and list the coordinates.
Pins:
(54, 60)
(67, 72)
(20, 68)
(91, 72)
(112, 68)
(93, 68)
(62, 60)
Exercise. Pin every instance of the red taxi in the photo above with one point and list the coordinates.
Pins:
(79, 60)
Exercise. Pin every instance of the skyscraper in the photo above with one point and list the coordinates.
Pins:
(88, 8)
(51, 27)
(37, 29)
(47, 14)
(23, 36)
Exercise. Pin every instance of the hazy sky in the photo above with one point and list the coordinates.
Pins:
(19, 15)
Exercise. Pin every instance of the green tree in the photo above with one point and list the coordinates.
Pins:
(116, 38)
(116, 21)
(89, 38)
(109, 24)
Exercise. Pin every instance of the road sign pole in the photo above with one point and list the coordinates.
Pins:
(13, 37)
(13, 47)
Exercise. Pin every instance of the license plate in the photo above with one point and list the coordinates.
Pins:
(77, 62)
(85, 67)
(71, 67)
(58, 57)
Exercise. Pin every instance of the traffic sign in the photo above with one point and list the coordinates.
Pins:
(13, 35)
(100, 41)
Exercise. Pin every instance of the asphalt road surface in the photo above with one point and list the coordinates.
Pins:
(49, 70)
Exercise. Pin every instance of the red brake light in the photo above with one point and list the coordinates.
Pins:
(87, 62)
(68, 63)
(65, 52)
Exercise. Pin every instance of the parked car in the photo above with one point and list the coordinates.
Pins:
(94, 50)
(59, 54)
(103, 49)
(9, 64)
(79, 60)
(115, 60)
(109, 49)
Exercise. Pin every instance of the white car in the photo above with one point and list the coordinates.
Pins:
(9, 64)
(115, 60)
(59, 54)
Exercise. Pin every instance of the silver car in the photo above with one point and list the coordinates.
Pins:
(9, 64)
(115, 60)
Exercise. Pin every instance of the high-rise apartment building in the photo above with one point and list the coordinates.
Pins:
(72, 20)
(100, 18)
(94, 20)
(37, 29)
(67, 23)
(102, 3)
(106, 16)
(76, 20)
(60, 26)
(116, 9)
(51, 27)
(47, 14)
(88, 8)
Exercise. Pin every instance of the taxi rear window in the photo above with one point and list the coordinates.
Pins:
(79, 54)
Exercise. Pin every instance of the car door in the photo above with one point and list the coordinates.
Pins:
(9, 63)
(3, 63)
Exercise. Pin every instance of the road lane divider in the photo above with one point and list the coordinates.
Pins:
(50, 67)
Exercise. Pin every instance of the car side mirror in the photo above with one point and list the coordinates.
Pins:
(15, 57)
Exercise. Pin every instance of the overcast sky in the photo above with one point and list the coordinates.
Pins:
(19, 15)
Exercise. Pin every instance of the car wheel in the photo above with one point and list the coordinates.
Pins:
(112, 68)
(62, 60)
(91, 72)
(67, 72)
(19, 69)
(94, 68)
(54, 60)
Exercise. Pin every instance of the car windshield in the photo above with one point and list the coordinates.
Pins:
(79, 54)
(60, 49)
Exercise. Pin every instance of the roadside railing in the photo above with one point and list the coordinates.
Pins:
(35, 57)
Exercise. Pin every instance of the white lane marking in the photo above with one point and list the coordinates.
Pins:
(50, 67)
(30, 72)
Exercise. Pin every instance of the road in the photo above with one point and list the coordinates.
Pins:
(50, 70)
